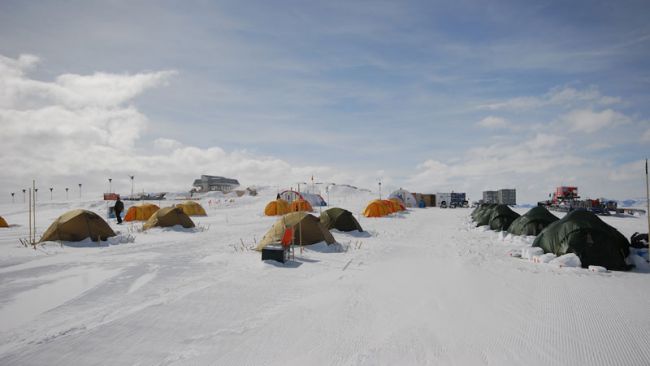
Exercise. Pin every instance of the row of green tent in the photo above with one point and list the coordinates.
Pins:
(302, 228)
(580, 232)
(77, 225)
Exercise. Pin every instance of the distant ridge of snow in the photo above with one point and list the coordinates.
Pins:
(632, 202)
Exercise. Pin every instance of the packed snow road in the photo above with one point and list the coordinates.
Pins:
(423, 287)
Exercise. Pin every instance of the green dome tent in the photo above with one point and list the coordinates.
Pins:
(340, 219)
(478, 210)
(585, 234)
(501, 218)
(532, 222)
(482, 214)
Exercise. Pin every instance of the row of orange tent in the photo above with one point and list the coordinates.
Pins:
(145, 211)
(282, 207)
(380, 208)
(376, 208)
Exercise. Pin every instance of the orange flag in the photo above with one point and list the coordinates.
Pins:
(287, 237)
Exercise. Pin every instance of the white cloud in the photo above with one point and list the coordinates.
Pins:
(589, 121)
(83, 128)
(630, 172)
(166, 144)
(70, 90)
(86, 128)
(102, 89)
(533, 165)
(565, 97)
(493, 122)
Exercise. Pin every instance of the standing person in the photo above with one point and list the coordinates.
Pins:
(118, 208)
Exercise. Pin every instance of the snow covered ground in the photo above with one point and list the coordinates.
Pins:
(422, 287)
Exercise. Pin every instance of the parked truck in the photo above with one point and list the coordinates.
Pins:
(451, 200)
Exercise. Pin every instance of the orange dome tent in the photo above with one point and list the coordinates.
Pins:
(3, 223)
(376, 208)
(140, 212)
(397, 204)
(276, 208)
(389, 206)
(300, 205)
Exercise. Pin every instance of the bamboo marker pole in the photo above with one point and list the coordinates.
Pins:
(34, 213)
(647, 193)
(30, 216)
(299, 222)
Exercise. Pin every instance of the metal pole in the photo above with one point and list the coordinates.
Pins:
(79, 190)
(24, 190)
(110, 185)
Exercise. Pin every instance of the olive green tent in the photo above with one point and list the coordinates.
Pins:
(585, 234)
(478, 209)
(501, 218)
(532, 222)
(482, 214)
(169, 216)
(77, 225)
(305, 226)
(340, 219)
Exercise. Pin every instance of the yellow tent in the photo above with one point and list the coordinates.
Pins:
(77, 225)
(3, 223)
(306, 229)
(300, 205)
(140, 213)
(169, 216)
(376, 208)
(276, 208)
(192, 208)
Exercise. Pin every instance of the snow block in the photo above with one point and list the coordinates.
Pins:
(516, 253)
(597, 269)
(544, 258)
(567, 260)
(530, 252)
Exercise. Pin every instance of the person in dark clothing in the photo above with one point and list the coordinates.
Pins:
(118, 208)
(277, 197)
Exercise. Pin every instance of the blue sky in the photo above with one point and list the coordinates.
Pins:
(432, 96)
